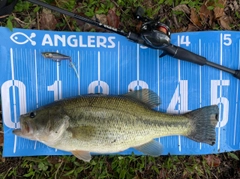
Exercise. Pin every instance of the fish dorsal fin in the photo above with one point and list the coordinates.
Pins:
(82, 155)
(146, 96)
(152, 148)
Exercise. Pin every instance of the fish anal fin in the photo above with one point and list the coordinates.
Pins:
(145, 96)
(152, 148)
(82, 155)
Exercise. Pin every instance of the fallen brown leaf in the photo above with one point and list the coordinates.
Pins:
(148, 4)
(182, 29)
(224, 21)
(213, 161)
(112, 19)
(47, 20)
(195, 18)
(206, 15)
(162, 174)
(191, 28)
(218, 11)
(183, 8)
(102, 18)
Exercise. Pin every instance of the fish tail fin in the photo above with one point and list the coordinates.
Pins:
(204, 121)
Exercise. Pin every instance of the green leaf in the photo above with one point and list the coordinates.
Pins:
(31, 173)
(233, 155)
(69, 173)
(210, 8)
(9, 23)
(89, 14)
(36, 9)
(42, 166)
(100, 11)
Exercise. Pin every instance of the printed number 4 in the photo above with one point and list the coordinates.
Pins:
(185, 40)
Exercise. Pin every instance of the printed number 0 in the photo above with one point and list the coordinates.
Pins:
(227, 39)
(6, 107)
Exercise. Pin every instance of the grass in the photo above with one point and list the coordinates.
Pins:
(115, 167)
(27, 15)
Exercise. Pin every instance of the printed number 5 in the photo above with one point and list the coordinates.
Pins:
(215, 84)
(227, 39)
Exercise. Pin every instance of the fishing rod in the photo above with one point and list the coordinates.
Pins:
(153, 34)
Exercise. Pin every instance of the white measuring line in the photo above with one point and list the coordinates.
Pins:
(118, 66)
(200, 80)
(138, 48)
(36, 84)
(79, 82)
(179, 102)
(99, 72)
(58, 80)
(220, 93)
(59, 84)
(158, 74)
(14, 99)
(236, 107)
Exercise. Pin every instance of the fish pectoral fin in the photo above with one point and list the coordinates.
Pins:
(82, 155)
(152, 148)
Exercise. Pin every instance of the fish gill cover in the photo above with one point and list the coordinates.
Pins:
(110, 64)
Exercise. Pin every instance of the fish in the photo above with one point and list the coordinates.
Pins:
(105, 124)
(59, 57)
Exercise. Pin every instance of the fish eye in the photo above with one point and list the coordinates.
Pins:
(49, 55)
(32, 114)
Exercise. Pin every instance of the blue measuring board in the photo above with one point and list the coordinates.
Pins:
(110, 64)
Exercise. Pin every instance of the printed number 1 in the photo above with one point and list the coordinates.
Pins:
(57, 90)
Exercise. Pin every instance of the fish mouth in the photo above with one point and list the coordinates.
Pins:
(17, 132)
(25, 128)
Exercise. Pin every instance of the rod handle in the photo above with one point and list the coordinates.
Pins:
(183, 54)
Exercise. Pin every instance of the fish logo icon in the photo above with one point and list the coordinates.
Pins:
(21, 38)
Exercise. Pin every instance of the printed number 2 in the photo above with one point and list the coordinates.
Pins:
(227, 39)
(185, 40)
(220, 100)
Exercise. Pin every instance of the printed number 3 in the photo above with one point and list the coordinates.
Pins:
(227, 39)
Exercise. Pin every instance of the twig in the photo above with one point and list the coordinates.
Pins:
(38, 25)
(115, 3)
(4, 16)
(5, 176)
(19, 21)
(58, 169)
(175, 21)
(65, 18)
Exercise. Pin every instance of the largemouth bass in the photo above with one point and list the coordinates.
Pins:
(109, 124)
